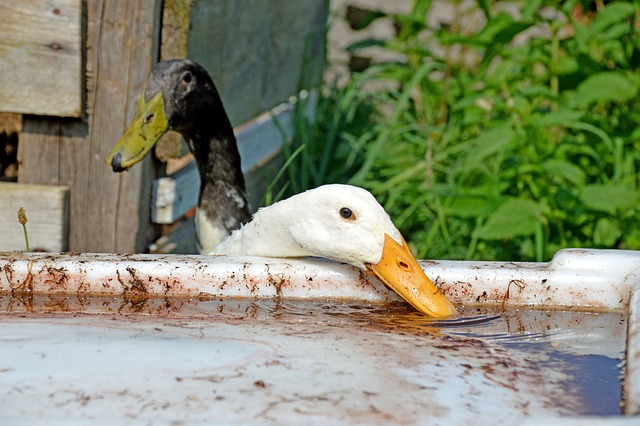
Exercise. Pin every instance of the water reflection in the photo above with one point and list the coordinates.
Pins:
(573, 332)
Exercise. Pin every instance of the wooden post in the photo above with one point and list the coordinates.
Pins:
(108, 212)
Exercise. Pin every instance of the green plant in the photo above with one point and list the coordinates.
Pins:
(509, 140)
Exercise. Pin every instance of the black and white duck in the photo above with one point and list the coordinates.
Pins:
(181, 96)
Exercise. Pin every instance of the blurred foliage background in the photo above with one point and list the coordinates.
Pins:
(507, 135)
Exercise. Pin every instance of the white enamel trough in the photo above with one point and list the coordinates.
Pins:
(162, 338)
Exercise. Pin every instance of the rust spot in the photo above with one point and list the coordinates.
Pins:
(137, 284)
(137, 304)
(57, 278)
(56, 11)
(26, 286)
(362, 278)
(277, 283)
(8, 272)
(519, 283)
(57, 304)
(21, 302)
(482, 297)
(202, 296)
(259, 384)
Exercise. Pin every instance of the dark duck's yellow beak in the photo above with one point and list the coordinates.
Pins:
(180, 96)
(399, 270)
(148, 125)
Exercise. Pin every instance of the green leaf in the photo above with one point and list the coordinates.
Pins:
(530, 9)
(367, 42)
(498, 32)
(466, 206)
(420, 8)
(507, 34)
(487, 144)
(486, 8)
(610, 198)
(535, 91)
(559, 118)
(565, 169)
(606, 233)
(635, 134)
(616, 32)
(513, 218)
(605, 87)
(612, 13)
(501, 22)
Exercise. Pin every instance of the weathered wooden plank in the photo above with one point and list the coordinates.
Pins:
(123, 40)
(39, 157)
(47, 216)
(41, 57)
(108, 212)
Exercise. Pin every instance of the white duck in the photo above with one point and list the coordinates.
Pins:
(342, 223)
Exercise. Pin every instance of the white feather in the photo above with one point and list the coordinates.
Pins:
(209, 233)
(310, 224)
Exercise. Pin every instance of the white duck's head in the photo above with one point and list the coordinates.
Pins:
(343, 223)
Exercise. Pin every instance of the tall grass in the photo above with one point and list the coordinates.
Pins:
(508, 141)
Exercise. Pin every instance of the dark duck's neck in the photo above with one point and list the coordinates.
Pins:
(222, 203)
(198, 114)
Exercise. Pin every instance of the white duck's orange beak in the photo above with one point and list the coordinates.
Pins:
(400, 271)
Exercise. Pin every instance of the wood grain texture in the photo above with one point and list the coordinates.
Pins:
(47, 216)
(108, 212)
(41, 57)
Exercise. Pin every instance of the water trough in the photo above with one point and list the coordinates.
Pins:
(161, 338)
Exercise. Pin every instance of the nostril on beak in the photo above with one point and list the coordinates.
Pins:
(116, 163)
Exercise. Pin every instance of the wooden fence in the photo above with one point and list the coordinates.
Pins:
(77, 69)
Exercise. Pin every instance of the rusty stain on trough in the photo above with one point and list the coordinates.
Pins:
(568, 282)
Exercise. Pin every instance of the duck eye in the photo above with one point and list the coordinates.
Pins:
(347, 214)
(186, 77)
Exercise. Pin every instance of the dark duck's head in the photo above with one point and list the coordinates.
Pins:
(179, 96)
